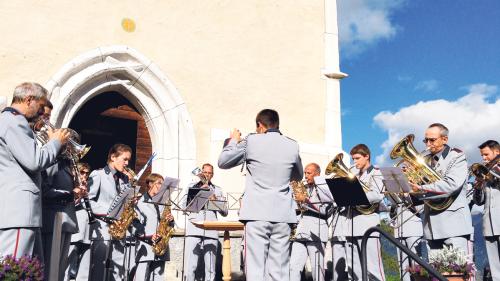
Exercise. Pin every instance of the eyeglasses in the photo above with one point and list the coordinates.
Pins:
(84, 172)
(426, 140)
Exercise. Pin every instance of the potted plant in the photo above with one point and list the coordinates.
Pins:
(25, 268)
(452, 263)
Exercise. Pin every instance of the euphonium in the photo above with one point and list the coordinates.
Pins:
(74, 149)
(340, 170)
(165, 230)
(417, 170)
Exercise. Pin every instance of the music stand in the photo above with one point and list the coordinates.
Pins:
(199, 200)
(348, 192)
(217, 205)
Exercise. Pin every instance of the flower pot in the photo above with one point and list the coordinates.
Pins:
(454, 276)
(449, 276)
(420, 278)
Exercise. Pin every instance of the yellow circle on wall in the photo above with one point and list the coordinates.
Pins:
(128, 25)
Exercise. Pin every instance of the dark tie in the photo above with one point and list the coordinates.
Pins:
(434, 160)
(117, 182)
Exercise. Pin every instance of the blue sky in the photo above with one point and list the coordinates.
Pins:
(444, 54)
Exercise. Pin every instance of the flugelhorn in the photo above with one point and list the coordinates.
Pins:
(41, 128)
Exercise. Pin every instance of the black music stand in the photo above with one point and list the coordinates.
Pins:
(198, 201)
(348, 192)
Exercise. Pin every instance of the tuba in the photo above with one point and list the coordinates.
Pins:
(340, 170)
(417, 170)
(73, 148)
(165, 230)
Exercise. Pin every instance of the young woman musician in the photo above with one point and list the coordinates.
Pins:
(151, 216)
(104, 186)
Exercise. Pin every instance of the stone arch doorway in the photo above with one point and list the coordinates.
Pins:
(107, 119)
(123, 70)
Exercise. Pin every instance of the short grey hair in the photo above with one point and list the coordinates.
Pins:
(29, 89)
(444, 130)
(316, 167)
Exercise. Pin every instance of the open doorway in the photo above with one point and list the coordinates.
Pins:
(107, 119)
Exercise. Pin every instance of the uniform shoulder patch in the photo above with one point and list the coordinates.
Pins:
(457, 150)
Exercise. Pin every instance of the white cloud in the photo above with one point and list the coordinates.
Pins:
(472, 119)
(428, 86)
(362, 23)
(404, 78)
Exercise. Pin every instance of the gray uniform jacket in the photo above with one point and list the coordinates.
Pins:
(455, 220)
(312, 225)
(272, 161)
(372, 178)
(58, 197)
(413, 225)
(102, 191)
(148, 218)
(21, 163)
(490, 197)
(203, 215)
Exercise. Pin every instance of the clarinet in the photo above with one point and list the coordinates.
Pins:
(86, 202)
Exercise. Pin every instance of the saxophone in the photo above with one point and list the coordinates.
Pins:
(118, 229)
(165, 230)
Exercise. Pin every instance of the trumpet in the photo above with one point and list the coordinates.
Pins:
(199, 173)
(74, 149)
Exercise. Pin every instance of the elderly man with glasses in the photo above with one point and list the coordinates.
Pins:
(452, 226)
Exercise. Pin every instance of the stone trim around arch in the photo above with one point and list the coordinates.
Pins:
(124, 70)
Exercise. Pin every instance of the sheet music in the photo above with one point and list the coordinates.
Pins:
(116, 210)
(199, 201)
(169, 185)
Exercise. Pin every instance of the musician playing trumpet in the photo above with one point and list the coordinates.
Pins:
(148, 265)
(453, 225)
(312, 230)
(487, 193)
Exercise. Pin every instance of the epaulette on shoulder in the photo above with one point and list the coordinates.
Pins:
(290, 139)
(456, 150)
(376, 168)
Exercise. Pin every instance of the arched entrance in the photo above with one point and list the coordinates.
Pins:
(120, 69)
(110, 118)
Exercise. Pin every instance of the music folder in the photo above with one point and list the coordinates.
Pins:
(121, 200)
(347, 192)
(395, 181)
